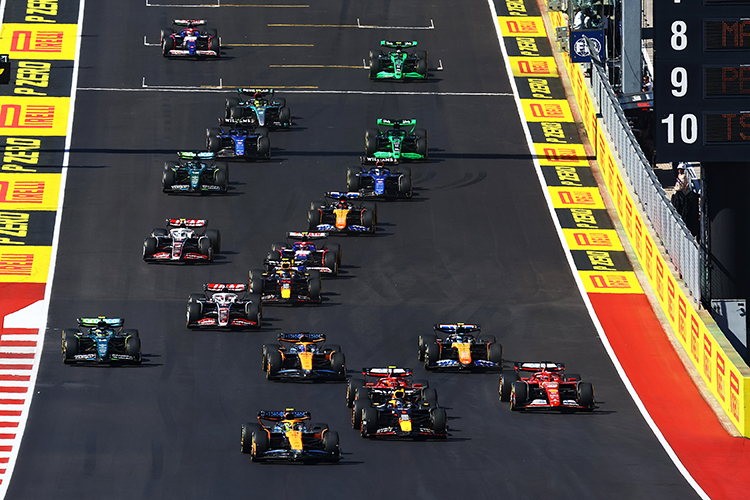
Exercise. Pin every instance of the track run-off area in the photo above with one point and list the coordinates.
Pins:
(477, 243)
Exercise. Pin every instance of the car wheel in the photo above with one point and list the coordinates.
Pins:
(69, 346)
(253, 311)
(215, 236)
(256, 281)
(273, 363)
(204, 247)
(506, 385)
(165, 33)
(220, 179)
(430, 396)
(166, 45)
(231, 102)
(285, 115)
(439, 422)
(313, 287)
(259, 444)
(338, 365)
(168, 177)
(213, 143)
(495, 354)
(133, 347)
(424, 341)
(351, 390)
(368, 220)
(336, 249)
(149, 247)
(213, 44)
(264, 147)
(404, 183)
(266, 349)
(277, 247)
(422, 147)
(352, 178)
(369, 421)
(371, 141)
(313, 219)
(193, 314)
(422, 67)
(432, 355)
(374, 67)
(159, 231)
(518, 395)
(331, 445)
(330, 260)
(585, 395)
(246, 441)
(236, 112)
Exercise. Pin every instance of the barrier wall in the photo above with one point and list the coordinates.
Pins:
(722, 369)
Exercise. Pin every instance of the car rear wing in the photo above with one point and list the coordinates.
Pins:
(265, 90)
(456, 328)
(394, 44)
(341, 195)
(390, 371)
(389, 122)
(302, 337)
(101, 321)
(225, 287)
(187, 222)
(189, 23)
(276, 416)
(534, 366)
(245, 121)
(305, 236)
(191, 155)
(371, 160)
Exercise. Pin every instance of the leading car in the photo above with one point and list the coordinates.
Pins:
(261, 107)
(287, 436)
(101, 340)
(398, 61)
(545, 385)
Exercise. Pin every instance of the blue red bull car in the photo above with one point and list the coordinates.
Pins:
(188, 40)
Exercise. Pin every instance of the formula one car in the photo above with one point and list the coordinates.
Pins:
(180, 242)
(398, 139)
(379, 181)
(307, 249)
(379, 385)
(342, 216)
(398, 63)
(261, 107)
(232, 140)
(189, 40)
(101, 340)
(193, 174)
(399, 416)
(224, 305)
(285, 435)
(460, 346)
(548, 387)
(287, 284)
(302, 356)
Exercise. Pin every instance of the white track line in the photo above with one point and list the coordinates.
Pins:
(584, 295)
(369, 26)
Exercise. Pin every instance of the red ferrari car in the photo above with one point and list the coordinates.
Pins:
(547, 387)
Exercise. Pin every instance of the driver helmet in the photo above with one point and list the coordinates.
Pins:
(258, 95)
(399, 393)
(342, 203)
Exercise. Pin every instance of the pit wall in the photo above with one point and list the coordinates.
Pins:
(723, 371)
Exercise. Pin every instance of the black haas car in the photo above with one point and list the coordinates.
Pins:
(181, 241)
(224, 305)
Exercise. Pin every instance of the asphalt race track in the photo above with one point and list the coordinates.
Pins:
(475, 244)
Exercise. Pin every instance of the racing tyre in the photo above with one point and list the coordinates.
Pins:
(194, 297)
(168, 177)
(351, 390)
(313, 287)
(213, 143)
(276, 247)
(313, 219)
(204, 247)
(273, 363)
(259, 441)
(274, 255)
(495, 354)
(371, 141)
(285, 115)
(422, 67)
(368, 220)
(253, 311)
(133, 348)
(352, 179)
(421, 133)
(439, 422)
(166, 45)
(69, 346)
(432, 355)
(215, 236)
(336, 248)
(331, 445)
(357, 408)
(430, 396)
(193, 314)
(338, 365)
(519, 395)
(369, 422)
(375, 54)
(374, 68)
(131, 332)
(279, 101)
(330, 260)
(506, 385)
(213, 44)
(571, 377)
(372, 207)
(333, 348)
(236, 112)
(256, 281)
(264, 147)
(261, 131)
(149, 247)
(231, 102)
(424, 341)
(315, 205)
(266, 349)
(165, 33)
(422, 148)
(159, 231)
(221, 179)
(585, 395)
(246, 442)
(404, 183)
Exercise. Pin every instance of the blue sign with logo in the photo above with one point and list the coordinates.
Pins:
(579, 49)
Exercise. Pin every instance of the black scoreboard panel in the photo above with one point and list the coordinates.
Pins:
(702, 81)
